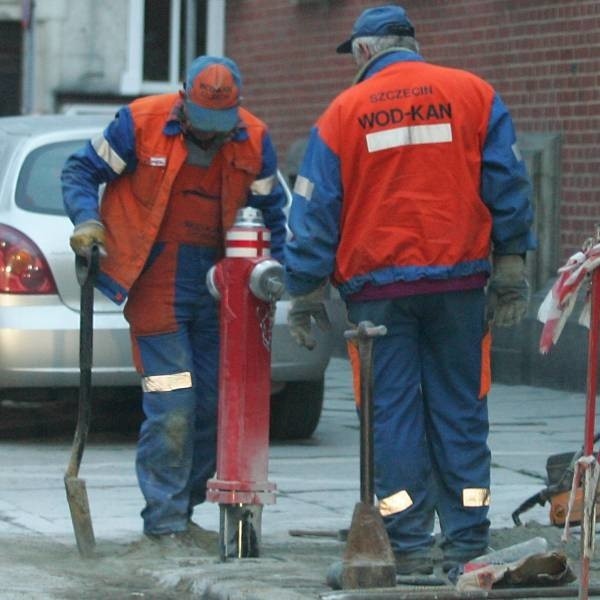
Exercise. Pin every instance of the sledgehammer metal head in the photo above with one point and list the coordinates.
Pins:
(368, 560)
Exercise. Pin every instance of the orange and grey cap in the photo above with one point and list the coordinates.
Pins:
(212, 93)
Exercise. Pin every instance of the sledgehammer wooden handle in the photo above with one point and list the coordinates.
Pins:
(364, 334)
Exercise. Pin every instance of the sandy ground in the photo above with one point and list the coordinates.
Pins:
(36, 568)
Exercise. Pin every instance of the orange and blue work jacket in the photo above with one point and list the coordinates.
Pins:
(140, 155)
(410, 178)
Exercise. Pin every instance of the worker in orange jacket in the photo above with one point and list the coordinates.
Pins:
(177, 167)
(411, 178)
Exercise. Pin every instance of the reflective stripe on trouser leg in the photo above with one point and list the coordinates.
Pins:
(167, 436)
(167, 383)
(458, 419)
(395, 503)
(400, 452)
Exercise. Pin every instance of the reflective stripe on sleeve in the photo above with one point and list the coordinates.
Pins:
(409, 136)
(475, 497)
(395, 503)
(167, 383)
(108, 155)
(262, 187)
(304, 187)
(517, 152)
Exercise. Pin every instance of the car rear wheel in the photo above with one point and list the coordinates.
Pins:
(296, 410)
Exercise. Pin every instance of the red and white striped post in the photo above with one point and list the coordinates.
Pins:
(588, 521)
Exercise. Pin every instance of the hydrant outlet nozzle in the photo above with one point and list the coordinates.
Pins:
(266, 280)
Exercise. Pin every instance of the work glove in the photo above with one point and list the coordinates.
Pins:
(302, 309)
(87, 234)
(508, 291)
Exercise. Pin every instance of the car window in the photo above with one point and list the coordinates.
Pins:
(38, 186)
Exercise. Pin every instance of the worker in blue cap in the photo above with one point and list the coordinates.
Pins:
(412, 180)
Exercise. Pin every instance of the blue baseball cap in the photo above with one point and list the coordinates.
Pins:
(212, 93)
(390, 19)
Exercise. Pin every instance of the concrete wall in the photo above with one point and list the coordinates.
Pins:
(77, 45)
(90, 41)
(10, 10)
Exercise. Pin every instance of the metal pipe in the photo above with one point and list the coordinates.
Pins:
(450, 594)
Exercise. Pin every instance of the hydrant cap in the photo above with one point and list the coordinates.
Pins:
(266, 280)
(249, 217)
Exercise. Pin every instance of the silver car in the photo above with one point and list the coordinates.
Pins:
(40, 296)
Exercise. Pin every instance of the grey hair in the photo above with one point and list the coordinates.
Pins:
(380, 43)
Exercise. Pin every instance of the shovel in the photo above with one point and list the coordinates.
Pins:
(368, 560)
(86, 270)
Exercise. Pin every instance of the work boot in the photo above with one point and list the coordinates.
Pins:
(413, 563)
(174, 543)
(203, 538)
(175, 540)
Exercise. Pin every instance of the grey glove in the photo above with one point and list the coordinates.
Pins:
(87, 234)
(299, 317)
(508, 291)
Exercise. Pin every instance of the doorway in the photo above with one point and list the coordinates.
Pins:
(11, 41)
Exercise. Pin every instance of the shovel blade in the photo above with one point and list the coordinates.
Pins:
(368, 560)
(80, 515)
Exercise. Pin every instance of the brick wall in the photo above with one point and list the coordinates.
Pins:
(288, 61)
(543, 58)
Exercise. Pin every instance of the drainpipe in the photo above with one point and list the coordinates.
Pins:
(191, 26)
(28, 25)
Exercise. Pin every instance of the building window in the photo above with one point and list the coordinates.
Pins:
(165, 36)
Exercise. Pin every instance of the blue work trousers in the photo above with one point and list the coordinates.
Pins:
(430, 423)
(176, 452)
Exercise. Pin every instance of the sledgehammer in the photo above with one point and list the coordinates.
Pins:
(368, 560)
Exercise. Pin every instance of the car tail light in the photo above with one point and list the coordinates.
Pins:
(23, 268)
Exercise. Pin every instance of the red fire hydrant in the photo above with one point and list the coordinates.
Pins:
(248, 282)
